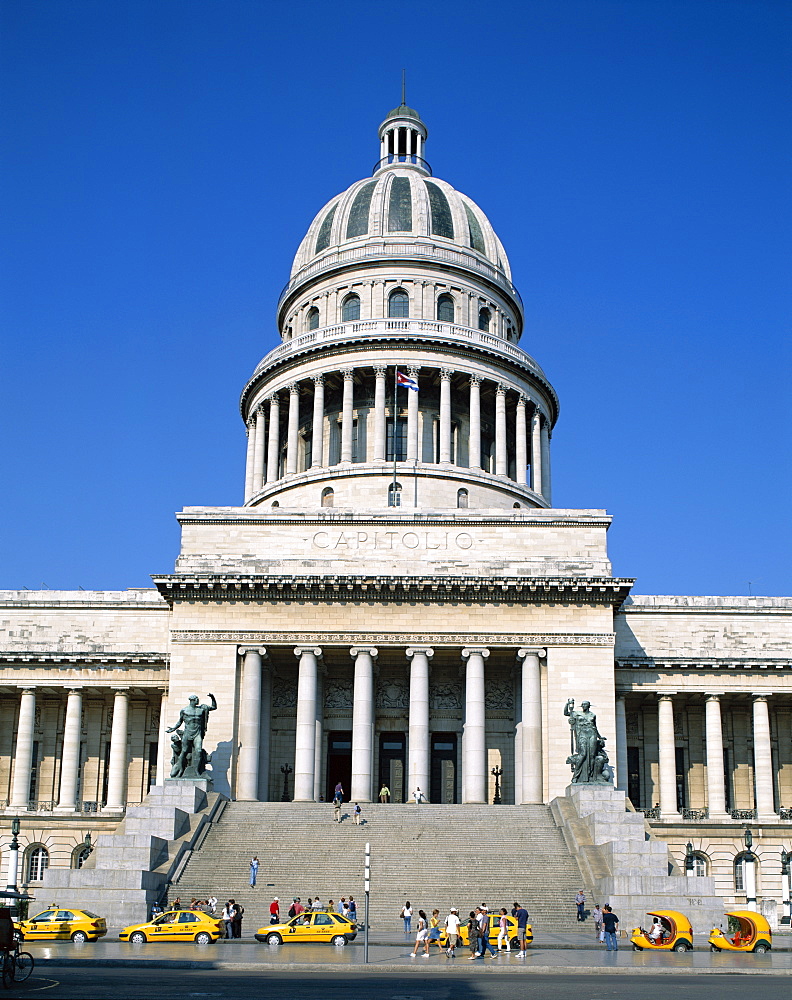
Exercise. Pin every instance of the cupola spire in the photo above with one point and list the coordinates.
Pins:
(402, 137)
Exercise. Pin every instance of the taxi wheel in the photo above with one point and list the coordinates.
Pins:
(761, 949)
(203, 938)
(713, 948)
(680, 946)
(637, 947)
(137, 937)
(80, 937)
(515, 944)
(274, 939)
(338, 940)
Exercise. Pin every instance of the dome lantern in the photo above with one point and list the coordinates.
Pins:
(402, 137)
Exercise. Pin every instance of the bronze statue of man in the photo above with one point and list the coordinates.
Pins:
(583, 724)
(194, 718)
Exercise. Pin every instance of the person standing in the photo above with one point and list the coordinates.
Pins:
(452, 931)
(610, 923)
(212, 904)
(239, 912)
(384, 793)
(352, 909)
(484, 933)
(254, 867)
(339, 792)
(472, 931)
(580, 903)
(298, 907)
(356, 814)
(596, 916)
(521, 915)
(419, 796)
(421, 935)
(406, 915)
(275, 911)
(503, 932)
(227, 919)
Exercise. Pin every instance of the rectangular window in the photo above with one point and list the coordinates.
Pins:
(151, 778)
(681, 784)
(727, 779)
(634, 776)
(106, 773)
(401, 440)
(34, 772)
(308, 451)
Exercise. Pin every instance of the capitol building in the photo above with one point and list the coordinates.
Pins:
(396, 600)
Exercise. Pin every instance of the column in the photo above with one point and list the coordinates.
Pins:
(317, 431)
(249, 725)
(70, 756)
(521, 443)
(318, 732)
(346, 417)
(363, 725)
(412, 419)
(547, 492)
(23, 752)
(250, 430)
(260, 452)
(380, 434)
(667, 755)
(163, 741)
(445, 415)
(716, 780)
(474, 443)
(621, 746)
(501, 458)
(292, 434)
(264, 735)
(418, 756)
(474, 763)
(763, 760)
(117, 772)
(536, 452)
(305, 736)
(532, 768)
(274, 439)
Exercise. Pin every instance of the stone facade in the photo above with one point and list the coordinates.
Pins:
(424, 634)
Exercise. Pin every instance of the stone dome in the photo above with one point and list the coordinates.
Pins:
(401, 202)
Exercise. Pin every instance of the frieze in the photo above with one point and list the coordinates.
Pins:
(392, 693)
(399, 638)
(499, 695)
(445, 694)
(284, 693)
(338, 693)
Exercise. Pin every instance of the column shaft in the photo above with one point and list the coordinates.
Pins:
(536, 452)
(292, 436)
(363, 726)
(117, 772)
(273, 456)
(264, 736)
(501, 457)
(249, 726)
(445, 416)
(305, 736)
(70, 757)
(521, 443)
(412, 419)
(621, 747)
(259, 456)
(763, 760)
(380, 433)
(163, 742)
(474, 765)
(531, 710)
(418, 756)
(250, 458)
(474, 444)
(716, 780)
(346, 417)
(317, 432)
(547, 492)
(667, 755)
(23, 751)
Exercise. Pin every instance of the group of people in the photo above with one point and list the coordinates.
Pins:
(338, 801)
(346, 907)
(606, 926)
(231, 913)
(429, 931)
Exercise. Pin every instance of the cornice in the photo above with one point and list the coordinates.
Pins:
(87, 659)
(671, 664)
(527, 518)
(521, 590)
(326, 639)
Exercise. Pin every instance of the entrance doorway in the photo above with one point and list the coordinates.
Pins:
(443, 787)
(339, 763)
(392, 764)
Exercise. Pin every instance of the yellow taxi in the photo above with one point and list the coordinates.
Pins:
(314, 926)
(494, 930)
(175, 925)
(54, 924)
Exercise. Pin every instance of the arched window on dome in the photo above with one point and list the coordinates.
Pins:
(350, 308)
(37, 863)
(442, 222)
(462, 498)
(474, 230)
(400, 206)
(323, 239)
(328, 496)
(445, 308)
(358, 222)
(394, 495)
(312, 319)
(517, 505)
(399, 304)
(485, 317)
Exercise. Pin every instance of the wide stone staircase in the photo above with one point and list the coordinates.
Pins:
(433, 855)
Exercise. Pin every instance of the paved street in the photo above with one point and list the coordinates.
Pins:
(66, 983)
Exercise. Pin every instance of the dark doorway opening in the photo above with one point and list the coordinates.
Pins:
(444, 767)
(392, 764)
(339, 763)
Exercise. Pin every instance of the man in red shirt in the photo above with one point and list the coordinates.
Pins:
(274, 911)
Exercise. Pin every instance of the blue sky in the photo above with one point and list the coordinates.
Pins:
(162, 160)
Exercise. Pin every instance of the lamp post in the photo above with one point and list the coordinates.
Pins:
(286, 771)
(749, 868)
(786, 858)
(13, 863)
(689, 860)
(496, 773)
(87, 846)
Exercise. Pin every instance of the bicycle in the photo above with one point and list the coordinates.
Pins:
(17, 965)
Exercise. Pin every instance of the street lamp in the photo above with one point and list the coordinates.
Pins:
(689, 860)
(749, 869)
(786, 858)
(286, 771)
(13, 863)
(496, 773)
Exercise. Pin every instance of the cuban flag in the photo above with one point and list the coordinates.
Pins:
(406, 381)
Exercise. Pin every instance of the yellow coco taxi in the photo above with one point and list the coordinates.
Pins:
(310, 927)
(55, 924)
(175, 925)
(494, 931)
(675, 933)
(753, 934)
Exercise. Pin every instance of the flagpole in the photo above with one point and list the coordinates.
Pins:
(395, 425)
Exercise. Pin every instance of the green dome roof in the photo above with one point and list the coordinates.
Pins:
(404, 112)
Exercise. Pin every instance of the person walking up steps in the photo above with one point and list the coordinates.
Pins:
(356, 814)
(580, 903)
(254, 867)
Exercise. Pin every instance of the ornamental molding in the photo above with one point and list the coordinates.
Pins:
(95, 660)
(325, 639)
(702, 663)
